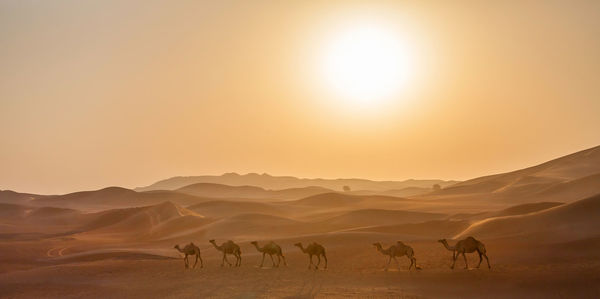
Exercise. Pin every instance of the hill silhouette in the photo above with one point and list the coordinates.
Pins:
(285, 182)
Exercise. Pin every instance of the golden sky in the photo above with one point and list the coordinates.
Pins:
(99, 93)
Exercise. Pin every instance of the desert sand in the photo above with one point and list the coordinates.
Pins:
(540, 227)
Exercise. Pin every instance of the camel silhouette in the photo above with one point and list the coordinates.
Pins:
(314, 249)
(190, 249)
(229, 248)
(398, 250)
(467, 245)
(271, 249)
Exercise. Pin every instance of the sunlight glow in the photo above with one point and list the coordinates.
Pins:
(367, 65)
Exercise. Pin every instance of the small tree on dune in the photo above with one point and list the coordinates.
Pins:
(346, 188)
(437, 187)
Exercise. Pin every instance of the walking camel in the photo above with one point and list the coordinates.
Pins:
(271, 249)
(398, 250)
(467, 245)
(314, 249)
(190, 249)
(229, 248)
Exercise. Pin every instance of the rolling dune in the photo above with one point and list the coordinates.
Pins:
(577, 220)
(526, 185)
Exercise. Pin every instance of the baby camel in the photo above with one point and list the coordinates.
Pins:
(190, 249)
(271, 249)
(314, 249)
(467, 245)
(398, 250)
(229, 248)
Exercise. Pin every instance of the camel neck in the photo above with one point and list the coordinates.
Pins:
(451, 248)
(220, 248)
(258, 248)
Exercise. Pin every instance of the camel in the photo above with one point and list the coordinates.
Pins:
(229, 248)
(467, 245)
(271, 249)
(190, 249)
(314, 249)
(398, 250)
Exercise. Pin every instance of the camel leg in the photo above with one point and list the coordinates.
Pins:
(278, 260)
(201, 261)
(311, 262)
(240, 260)
(480, 259)
(196, 262)
(272, 261)
(487, 260)
(225, 260)
(284, 262)
(411, 262)
(465, 257)
(454, 256)
(185, 262)
(318, 262)
(388, 264)
(325, 257)
(263, 260)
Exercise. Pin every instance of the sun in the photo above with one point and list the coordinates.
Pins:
(367, 65)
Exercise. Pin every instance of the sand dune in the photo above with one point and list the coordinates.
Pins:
(8, 196)
(26, 219)
(113, 197)
(525, 209)
(156, 221)
(571, 190)
(225, 208)
(339, 200)
(563, 223)
(404, 192)
(327, 200)
(256, 226)
(377, 217)
(230, 192)
(526, 184)
(431, 230)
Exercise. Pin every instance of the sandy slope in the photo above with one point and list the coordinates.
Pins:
(564, 179)
(226, 191)
(577, 220)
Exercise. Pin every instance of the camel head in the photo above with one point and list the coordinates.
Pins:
(212, 241)
(377, 244)
(254, 243)
(298, 244)
(176, 246)
(442, 241)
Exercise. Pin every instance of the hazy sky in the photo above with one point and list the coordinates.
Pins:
(99, 93)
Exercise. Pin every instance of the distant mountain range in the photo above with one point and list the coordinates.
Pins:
(267, 181)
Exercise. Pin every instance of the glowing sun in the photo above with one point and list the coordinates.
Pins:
(367, 65)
